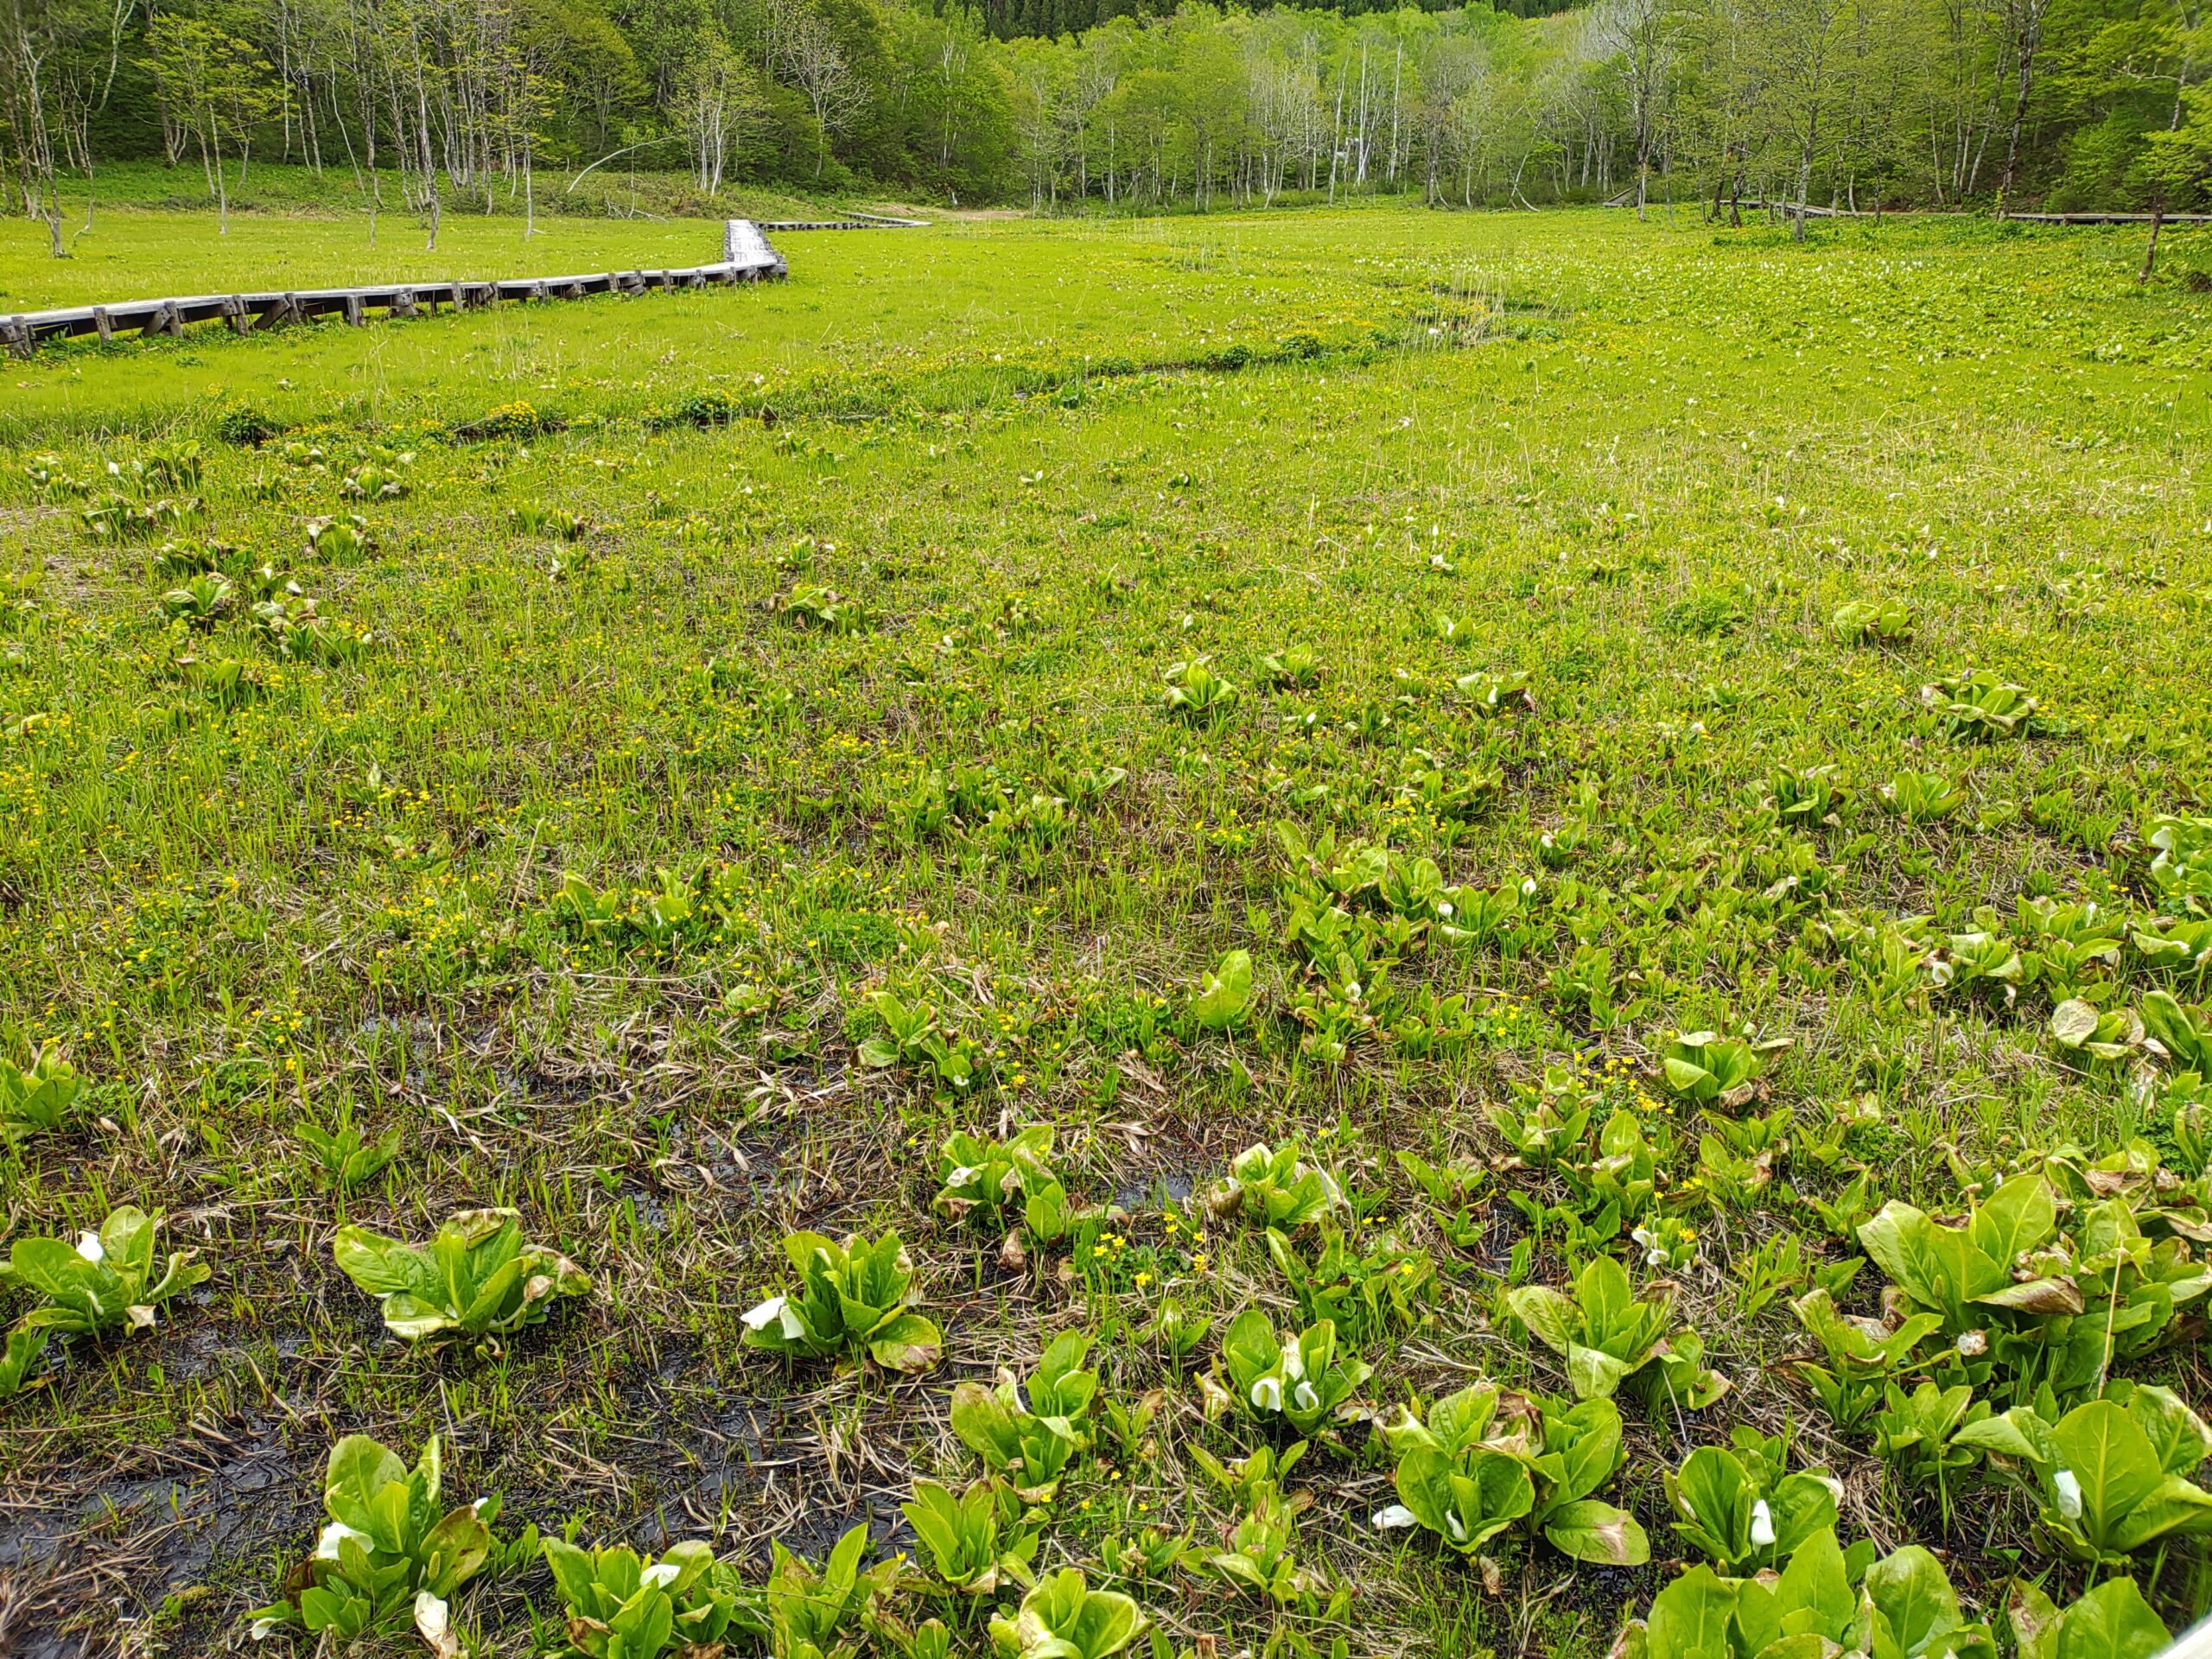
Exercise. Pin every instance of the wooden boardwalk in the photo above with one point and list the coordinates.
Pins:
(2110, 219)
(854, 221)
(748, 257)
(1787, 208)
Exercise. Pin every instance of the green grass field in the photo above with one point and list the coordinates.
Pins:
(1694, 738)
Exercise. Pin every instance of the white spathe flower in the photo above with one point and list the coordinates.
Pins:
(434, 1624)
(1395, 1518)
(1455, 1526)
(659, 1574)
(1444, 909)
(1762, 1526)
(963, 1176)
(756, 1318)
(1307, 1398)
(2069, 1493)
(89, 1247)
(326, 1547)
(1267, 1394)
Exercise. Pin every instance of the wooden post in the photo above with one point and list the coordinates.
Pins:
(106, 324)
(402, 303)
(18, 336)
(356, 313)
(235, 314)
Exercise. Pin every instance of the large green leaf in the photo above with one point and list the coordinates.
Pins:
(574, 1573)
(1713, 1496)
(413, 1319)
(803, 1248)
(358, 1470)
(1594, 1374)
(2113, 1463)
(1582, 1447)
(1465, 1507)
(53, 1267)
(456, 1551)
(2177, 1433)
(1812, 1596)
(2176, 1506)
(908, 1343)
(2112, 1622)
(1801, 1506)
(1545, 1311)
(2019, 1432)
(1914, 1607)
(1608, 1302)
(385, 1266)
(1690, 1617)
(1226, 993)
(127, 1235)
(1459, 1420)
(2020, 1215)
(1590, 1530)
(1938, 1266)
(985, 1425)
(25, 1343)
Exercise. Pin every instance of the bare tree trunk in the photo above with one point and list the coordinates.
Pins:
(222, 191)
(2030, 38)
(1397, 78)
(1337, 139)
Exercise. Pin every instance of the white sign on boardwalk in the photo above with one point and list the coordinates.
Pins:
(744, 245)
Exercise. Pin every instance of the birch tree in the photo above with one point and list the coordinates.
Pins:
(220, 88)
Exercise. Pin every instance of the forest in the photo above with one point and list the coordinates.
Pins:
(1076, 105)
